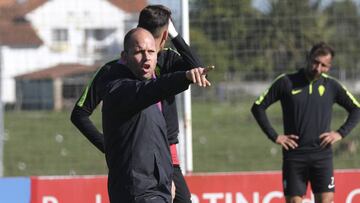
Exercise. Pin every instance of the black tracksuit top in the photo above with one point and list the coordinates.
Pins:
(306, 109)
(168, 61)
(136, 143)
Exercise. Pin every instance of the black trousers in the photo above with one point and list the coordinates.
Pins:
(182, 194)
(154, 199)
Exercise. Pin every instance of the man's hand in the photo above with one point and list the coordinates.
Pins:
(329, 138)
(198, 76)
(287, 141)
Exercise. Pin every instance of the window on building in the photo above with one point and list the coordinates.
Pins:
(60, 39)
(72, 91)
(98, 34)
(60, 35)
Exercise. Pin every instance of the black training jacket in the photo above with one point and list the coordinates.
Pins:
(168, 61)
(136, 144)
(306, 109)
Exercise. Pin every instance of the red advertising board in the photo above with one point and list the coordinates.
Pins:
(247, 187)
(263, 187)
(89, 189)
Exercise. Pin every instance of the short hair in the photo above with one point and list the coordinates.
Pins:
(153, 18)
(321, 49)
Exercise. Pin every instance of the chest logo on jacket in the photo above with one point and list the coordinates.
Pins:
(293, 92)
(321, 90)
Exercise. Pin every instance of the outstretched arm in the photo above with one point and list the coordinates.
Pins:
(141, 94)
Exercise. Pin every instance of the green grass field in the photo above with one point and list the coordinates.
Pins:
(225, 138)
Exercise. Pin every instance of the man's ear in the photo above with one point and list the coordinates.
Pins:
(123, 56)
(164, 37)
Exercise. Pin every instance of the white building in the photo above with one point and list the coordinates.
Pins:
(36, 34)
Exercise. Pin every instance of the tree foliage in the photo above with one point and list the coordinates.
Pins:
(235, 35)
(345, 37)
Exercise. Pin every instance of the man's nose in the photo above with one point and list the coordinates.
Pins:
(146, 55)
(318, 67)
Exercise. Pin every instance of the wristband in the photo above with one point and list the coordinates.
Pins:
(172, 31)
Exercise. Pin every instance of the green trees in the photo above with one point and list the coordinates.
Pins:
(344, 21)
(261, 43)
(219, 32)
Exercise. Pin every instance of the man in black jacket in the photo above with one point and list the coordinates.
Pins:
(136, 143)
(156, 19)
(307, 97)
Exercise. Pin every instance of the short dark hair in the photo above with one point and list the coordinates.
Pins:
(321, 49)
(154, 18)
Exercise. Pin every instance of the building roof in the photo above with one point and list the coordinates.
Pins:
(15, 9)
(58, 71)
(18, 34)
(130, 6)
(15, 30)
(21, 9)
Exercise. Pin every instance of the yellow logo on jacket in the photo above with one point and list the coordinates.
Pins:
(321, 90)
(293, 92)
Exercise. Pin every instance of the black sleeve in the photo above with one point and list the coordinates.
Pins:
(259, 107)
(81, 119)
(170, 113)
(188, 55)
(345, 99)
(86, 104)
(169, 61)
(182, 59)
(136, 95)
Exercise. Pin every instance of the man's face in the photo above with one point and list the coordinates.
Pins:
(141, 57)
(318, 65)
